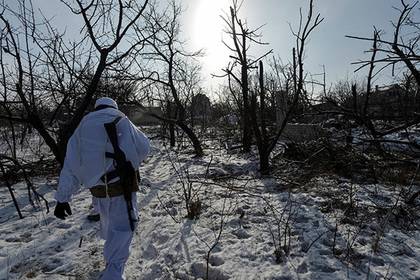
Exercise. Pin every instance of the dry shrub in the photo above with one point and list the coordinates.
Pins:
(396, 174)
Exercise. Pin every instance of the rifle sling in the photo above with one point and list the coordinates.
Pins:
(113, 137)
(121, 164)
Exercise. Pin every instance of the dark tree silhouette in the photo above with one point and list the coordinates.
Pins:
(242, 37)
(46, 71)
(171, 69)
(266, 141)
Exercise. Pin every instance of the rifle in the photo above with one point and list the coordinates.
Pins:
(124, 168)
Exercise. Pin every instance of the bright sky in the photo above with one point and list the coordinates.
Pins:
(202, 26)
(328, 45)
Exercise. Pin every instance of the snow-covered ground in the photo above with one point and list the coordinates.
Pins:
(324, 236)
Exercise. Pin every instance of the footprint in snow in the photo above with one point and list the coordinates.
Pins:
(12, 239)
(302, 268)
(25, 238)
(216, 260)
(158, 213)
(377, 261)
(151, 252)
(154, 272)
(161, 238)
(241, 234)
(199, 271)
(325, 252)
(282, 277)
(52, 265)
(323, 268)
(301, 219)
(64, 226)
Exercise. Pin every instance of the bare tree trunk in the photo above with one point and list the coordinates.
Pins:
(242, 36)
(69, 128)
(264, 152)
(266, 145)
(260, 129)
(171, 115)
(167, 48)
(194, 140)
(9, 187)
(172, 135)
(181, 122)
(26, 69)
(247, 132)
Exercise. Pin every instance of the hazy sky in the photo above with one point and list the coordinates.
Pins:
(328, 45)
(202, 26)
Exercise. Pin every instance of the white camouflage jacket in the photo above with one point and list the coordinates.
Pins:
(85, 160)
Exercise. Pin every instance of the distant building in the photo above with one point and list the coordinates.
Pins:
(201, 106)
(201, 110)
(387, 103)
(321, 112)
(391, 103)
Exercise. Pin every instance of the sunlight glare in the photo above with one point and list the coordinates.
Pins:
(207, 33)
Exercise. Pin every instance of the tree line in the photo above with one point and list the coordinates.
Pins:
(134, 51)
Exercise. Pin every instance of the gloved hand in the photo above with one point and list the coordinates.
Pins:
(62, 210)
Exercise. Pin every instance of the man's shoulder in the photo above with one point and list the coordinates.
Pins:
(104, 115)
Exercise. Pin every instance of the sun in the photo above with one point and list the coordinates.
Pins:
(207, 33)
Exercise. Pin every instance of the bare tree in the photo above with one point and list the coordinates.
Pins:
(266, 142)
(11, 169)
(242, 37)
(168, 66)
(36, 48)
(399, 49)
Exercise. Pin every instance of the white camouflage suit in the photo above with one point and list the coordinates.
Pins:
(85, 163)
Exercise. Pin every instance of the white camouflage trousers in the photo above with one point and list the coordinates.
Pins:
(115, 229)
